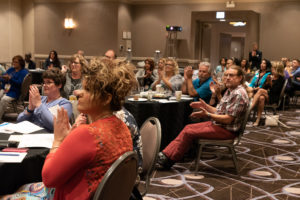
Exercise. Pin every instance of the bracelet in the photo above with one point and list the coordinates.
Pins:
(29, 111)
(208, 115)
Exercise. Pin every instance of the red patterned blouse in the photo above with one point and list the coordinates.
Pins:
(79, 164)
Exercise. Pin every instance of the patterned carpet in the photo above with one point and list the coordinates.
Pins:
(269, 164)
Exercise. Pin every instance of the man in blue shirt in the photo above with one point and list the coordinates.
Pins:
(296, 75)
(11, 83)
(198, 88)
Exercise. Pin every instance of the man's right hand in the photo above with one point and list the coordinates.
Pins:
(199, 104)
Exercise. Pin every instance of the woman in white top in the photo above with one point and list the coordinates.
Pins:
(169, 78)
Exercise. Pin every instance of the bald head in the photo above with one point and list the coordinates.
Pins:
(110, 54)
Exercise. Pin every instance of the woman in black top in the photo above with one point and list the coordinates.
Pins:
(270, 91)
(52, 61)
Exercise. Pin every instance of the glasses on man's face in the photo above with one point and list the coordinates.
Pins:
(229, 75)
(47, 83)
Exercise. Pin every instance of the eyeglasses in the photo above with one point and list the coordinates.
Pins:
(75, 63)
(168, 64)
(47, 83)
(229, 75)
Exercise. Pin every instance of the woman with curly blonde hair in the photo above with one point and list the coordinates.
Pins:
(169, 77)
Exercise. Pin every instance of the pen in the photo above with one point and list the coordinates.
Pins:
(6, 154)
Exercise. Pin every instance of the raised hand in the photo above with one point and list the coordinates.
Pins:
(61, 125)
(199, 104)
(34, 97)
(199, 114)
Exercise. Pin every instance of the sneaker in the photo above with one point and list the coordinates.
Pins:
(164, 161)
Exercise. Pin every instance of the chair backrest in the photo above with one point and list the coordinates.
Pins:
(151, 139)
(244, 123)
(119, 179)
(282, 91)
(25, 87)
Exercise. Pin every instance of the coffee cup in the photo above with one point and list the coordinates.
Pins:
(178, 95)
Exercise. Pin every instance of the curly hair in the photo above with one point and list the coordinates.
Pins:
(175, 64)
(151, 63)
(103, 76)
(82, 60)
(56, 75)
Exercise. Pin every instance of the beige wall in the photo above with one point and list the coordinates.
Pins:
(11, 34)
(277, 32)
(101, 23)
(96, 32)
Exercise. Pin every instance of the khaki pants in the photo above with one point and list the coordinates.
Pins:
(4, 102)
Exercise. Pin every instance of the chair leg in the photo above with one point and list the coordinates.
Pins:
(234, 158)
(198, 158)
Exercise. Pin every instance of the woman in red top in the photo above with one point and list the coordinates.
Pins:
(81, 155)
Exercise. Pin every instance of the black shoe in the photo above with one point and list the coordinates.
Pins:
(164, 161)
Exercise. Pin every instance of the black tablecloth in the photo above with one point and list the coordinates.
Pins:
(14, 175)
(173, 116)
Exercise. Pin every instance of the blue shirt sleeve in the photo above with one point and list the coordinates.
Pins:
(203, 90)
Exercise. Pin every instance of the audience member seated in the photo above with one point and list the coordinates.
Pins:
(41, 109)
(198, 88)
(52, 61)
(2, 70)
(296, 75)
(80, 156)
(169, 78)
(220, 69)
(73, 78)
(270, 92)
(147, 75)
(11, 82)
(161, 64)
(110, 54)
(29, 64)
(260, 77)
(225, 122)
(245, 66)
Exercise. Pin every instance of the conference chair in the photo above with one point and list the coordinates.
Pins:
(230, 143)
(282, 96)
(18, 105)
(151, 139)
(119, 179)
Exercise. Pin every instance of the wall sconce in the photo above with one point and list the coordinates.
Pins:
(69, 23)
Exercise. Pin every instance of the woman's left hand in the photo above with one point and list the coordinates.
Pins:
(61, 126)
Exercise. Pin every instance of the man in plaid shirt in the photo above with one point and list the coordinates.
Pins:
(226, 119)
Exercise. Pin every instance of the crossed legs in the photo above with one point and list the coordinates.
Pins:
(259, 100)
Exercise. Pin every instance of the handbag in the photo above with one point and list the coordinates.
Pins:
(272, 120)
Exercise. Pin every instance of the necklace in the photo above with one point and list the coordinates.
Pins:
(104, 116)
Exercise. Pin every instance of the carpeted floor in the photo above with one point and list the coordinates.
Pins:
(269, 164)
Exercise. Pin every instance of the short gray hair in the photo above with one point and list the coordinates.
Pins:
(206, 64)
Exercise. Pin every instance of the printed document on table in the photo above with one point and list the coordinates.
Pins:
(11, 157)
(34, 140)
(3, 128)
(23, 127)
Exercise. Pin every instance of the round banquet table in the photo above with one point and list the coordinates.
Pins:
(14, 175)
(173, 116)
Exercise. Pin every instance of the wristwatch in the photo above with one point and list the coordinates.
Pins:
(208, 115)
(29, 111)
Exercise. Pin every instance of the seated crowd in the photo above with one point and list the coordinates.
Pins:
(81, 152)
